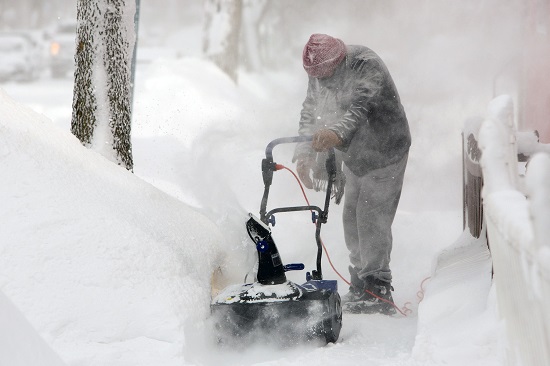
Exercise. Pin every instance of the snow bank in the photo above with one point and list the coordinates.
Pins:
(460, 305)
(104, 265)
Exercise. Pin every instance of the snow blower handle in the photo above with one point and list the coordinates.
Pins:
(269, 166)
(284, 140)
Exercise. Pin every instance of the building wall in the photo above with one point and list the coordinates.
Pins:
(535, 93)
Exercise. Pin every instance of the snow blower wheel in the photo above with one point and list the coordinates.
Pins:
(273, 309)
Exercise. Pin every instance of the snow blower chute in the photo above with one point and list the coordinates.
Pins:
(273, 309)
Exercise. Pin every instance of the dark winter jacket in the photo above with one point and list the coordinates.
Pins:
(361, 104)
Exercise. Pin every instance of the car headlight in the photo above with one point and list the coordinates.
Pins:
(54, 48)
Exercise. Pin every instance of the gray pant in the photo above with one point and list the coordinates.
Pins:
(369, 209)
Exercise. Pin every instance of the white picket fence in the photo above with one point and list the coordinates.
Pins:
(516, 213)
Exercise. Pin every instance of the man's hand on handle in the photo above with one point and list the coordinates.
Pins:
(325, 139)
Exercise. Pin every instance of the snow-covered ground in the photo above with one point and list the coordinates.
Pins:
(114, 268)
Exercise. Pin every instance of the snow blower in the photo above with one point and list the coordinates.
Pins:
(274, 309)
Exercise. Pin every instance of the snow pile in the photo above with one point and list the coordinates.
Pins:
(460, 304)
(104, 265)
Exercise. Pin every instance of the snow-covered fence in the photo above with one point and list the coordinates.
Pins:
(517, 215)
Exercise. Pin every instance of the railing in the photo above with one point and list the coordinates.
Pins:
(516, 211)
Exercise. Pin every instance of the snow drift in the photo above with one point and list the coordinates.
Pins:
(103, 264)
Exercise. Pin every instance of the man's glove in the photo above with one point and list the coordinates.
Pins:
(303, 168)
(325, 139)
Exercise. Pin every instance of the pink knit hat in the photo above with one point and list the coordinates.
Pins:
(322, 54)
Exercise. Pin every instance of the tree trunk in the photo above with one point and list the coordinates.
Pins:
(222, 29)
(84, 120)
(101, 100)
(117, 61)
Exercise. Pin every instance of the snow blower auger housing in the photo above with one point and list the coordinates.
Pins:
(273, 309)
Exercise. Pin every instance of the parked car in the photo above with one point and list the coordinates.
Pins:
(62, 49)
(21, 56)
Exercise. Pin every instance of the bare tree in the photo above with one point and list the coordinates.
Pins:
(101, 99)
(221, 37)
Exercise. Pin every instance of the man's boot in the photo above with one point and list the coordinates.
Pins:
(371, 296)
(355, 289)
